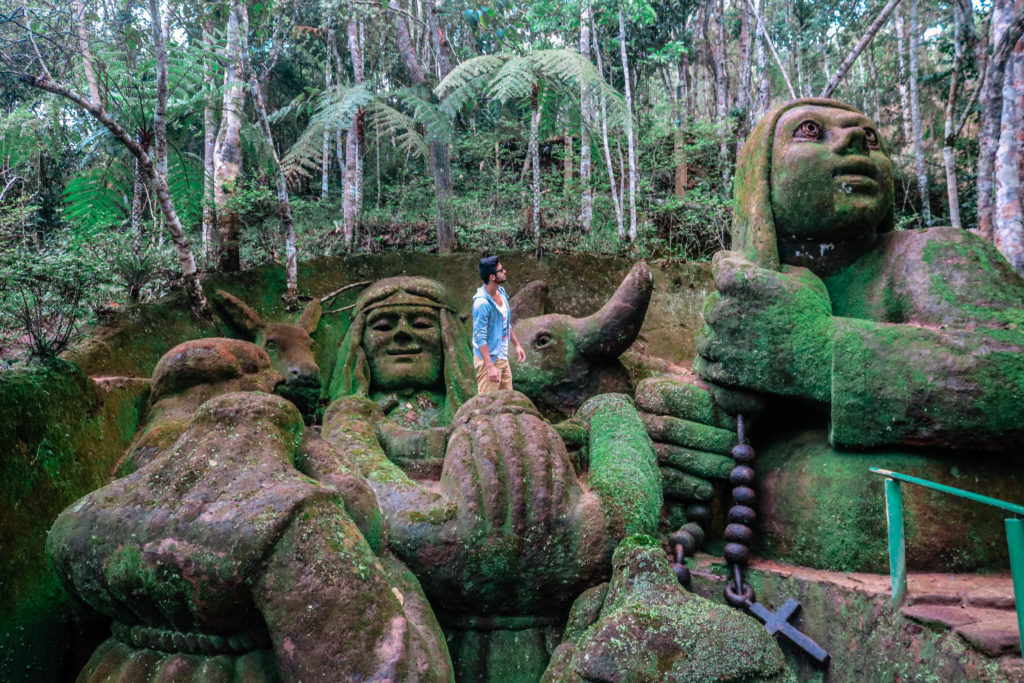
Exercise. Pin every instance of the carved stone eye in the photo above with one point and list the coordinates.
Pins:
(808, 130)
(542, 340)
(872, 138)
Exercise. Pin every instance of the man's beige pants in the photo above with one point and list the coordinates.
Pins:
(483, 384)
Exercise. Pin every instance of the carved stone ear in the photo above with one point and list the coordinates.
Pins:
(310, 317)
(238, 314)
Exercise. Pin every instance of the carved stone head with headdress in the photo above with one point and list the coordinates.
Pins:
(813, 187)
(405, 335)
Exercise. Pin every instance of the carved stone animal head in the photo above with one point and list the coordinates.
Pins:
(568, 359)
(289, 346)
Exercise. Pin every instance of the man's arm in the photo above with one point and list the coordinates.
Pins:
(492, 370)
(519, 347)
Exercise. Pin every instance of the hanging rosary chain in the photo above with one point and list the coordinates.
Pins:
(738, 533)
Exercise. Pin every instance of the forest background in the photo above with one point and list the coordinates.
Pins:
(146, 143)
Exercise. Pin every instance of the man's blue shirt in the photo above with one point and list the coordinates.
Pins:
(489, 326)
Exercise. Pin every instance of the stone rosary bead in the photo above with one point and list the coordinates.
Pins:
(682, 574)
(736, 553)
(744, 495)
(743, 454)
(742, 514)
(699, 513)
(741, 475)
(696, 531)
(685, 539)
(739, 533)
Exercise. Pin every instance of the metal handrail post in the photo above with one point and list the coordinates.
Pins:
(897, 540)
(1015, 541)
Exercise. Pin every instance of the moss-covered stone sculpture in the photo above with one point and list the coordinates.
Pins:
(480, 496)
(641, 626)
(218, 559)
(902, 340)
(569, 359)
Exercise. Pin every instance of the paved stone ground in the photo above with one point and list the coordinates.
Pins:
(976, 610)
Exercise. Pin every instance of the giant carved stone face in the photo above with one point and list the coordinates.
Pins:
(403, 347)
(831, 181)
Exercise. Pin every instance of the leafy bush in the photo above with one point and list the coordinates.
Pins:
(48, 294)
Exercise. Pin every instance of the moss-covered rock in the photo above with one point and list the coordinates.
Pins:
(648, 628)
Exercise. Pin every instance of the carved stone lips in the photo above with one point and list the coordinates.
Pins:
(856, 167)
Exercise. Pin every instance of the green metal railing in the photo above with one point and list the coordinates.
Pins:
(897, 539)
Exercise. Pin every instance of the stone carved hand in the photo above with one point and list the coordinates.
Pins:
(509, 529)
(692, 435)
(767, 331)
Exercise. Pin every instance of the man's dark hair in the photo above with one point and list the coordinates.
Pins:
(488, 267)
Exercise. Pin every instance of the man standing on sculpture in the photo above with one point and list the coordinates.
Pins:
(492, 329)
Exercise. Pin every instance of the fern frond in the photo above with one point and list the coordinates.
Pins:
(393, 124)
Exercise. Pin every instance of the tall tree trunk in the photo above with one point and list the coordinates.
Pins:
(901, 48)
(864, 41)
(1009, 220)
(1007, 28)
(78, 13)
(228, 151)
(876, 96)
(630, 142)
(567, 161)
(209, 136)
(744, 93)
(615, 189)
(534, 152)
(440, 153)
(949, 115)
(915, 119)
(680, 106)
(586, 122)
(764, 96)
(350, 199)
(719, 69)
(325, 156)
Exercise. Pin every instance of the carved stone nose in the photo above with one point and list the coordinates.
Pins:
(303, 371)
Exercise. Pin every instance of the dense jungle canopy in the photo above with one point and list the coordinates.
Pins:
(146, 144)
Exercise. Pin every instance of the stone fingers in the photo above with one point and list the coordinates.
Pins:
(678, 485)
(688, 434)
(689, 399)
(698, 463)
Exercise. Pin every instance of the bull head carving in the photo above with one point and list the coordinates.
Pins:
(289, 345)
(571, 359)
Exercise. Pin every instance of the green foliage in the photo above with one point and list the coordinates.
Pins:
(45, 298)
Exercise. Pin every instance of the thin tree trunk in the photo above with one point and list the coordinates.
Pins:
(440, 153)
(630, 142)
(228, 151)
(1009, 221)
(763, 82)
(1007, 28)
(949, 117)
(325, 157)
(78, 12)
(679, 107)
(864, 41)
(876, 96)
(901, 48)
(915, 122)
(209, 138)
(586, 122)
(534, 152)
(744, 94)
(284, 206)
(613, 186)
(763, 33)
(567, 161)
(350, 199)
(719, 69)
